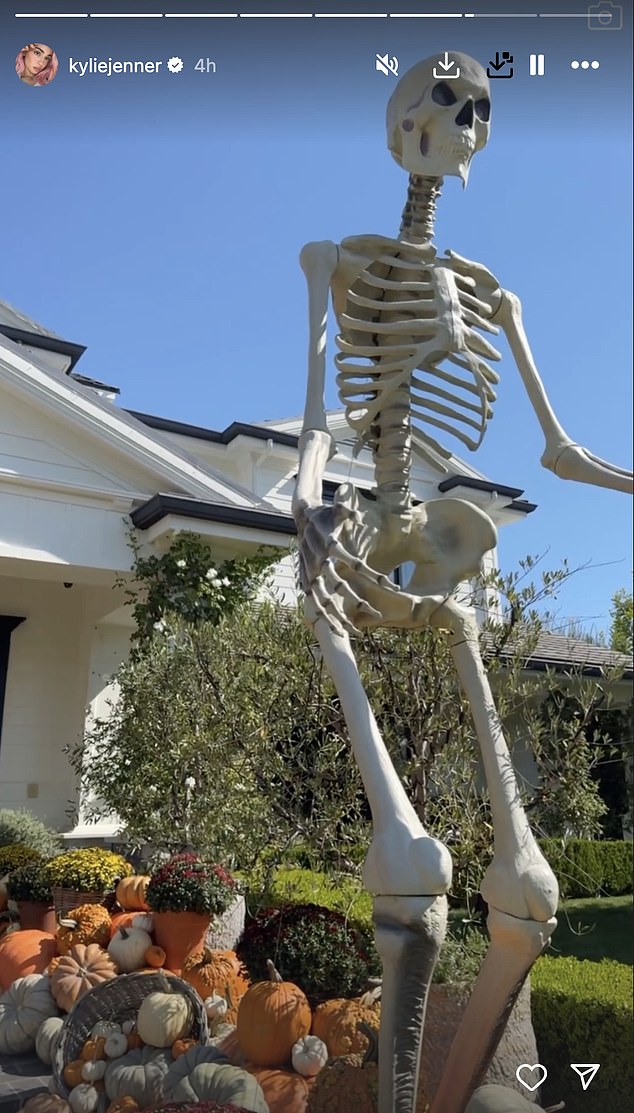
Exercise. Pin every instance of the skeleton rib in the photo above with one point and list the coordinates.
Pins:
(390, 327)
(424, 406)
(463, 437)
(423, 388)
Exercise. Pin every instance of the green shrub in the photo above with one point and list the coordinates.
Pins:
(13, 856)
(590, 868)
(582, 1013)
(461, 957)
(294, 885)
(314, 947)
(30, 882)
(583, 867)
(27, 830)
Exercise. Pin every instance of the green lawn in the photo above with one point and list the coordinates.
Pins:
(595, 929)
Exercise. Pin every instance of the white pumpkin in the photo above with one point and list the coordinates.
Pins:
(116, 1045)
(216, 1007)
(309, 1055)
(83, 1098)
(93, 1070)
(163, 1018)
(127, 948)
(23, 1006)
(501, 1099)
(104, 1028)
(47, 1038)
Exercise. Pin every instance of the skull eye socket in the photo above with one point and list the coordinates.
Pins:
(443, 94)
(483, 109)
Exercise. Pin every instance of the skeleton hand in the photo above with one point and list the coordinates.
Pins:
(323, 556)
(485, 285)
(339, 583)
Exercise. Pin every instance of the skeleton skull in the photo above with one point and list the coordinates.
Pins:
(436, 123)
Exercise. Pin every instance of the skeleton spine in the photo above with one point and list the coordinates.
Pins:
(417, 221)
(392, 436)
(392, 433)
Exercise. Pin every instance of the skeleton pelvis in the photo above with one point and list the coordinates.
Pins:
(445, 539)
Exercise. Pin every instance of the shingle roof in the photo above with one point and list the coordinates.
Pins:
(560, 652)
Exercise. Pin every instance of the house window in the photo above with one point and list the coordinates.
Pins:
(8, 624)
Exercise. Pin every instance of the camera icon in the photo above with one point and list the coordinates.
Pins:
(605, 16)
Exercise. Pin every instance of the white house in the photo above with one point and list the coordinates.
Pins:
(77, 473)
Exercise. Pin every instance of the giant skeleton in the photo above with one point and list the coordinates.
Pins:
(411, 353)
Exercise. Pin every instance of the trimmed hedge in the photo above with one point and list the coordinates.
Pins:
(582, 1013)
(583, 867)
(586, 868)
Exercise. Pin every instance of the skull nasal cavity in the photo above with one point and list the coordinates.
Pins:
(465, 117)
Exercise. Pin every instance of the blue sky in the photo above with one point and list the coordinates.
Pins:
(157, 219)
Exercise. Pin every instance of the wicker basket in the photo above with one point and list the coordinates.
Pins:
(65, 899)
(119, 999)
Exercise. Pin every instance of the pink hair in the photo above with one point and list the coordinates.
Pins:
(46, 74)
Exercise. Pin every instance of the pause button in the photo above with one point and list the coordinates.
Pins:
(536, 65)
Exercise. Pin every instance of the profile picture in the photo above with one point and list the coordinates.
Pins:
(36, 64)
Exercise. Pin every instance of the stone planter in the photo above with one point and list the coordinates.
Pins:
(37, 916)
(225, 930)
(444, 1012)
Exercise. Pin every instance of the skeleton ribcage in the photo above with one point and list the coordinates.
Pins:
(408, 339)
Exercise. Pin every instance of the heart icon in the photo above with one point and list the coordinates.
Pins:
(532, 1069)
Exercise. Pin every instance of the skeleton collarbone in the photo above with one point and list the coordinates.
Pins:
(403, 315)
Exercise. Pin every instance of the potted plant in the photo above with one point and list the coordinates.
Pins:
(29, 887)
(189, 897)
(84, 876)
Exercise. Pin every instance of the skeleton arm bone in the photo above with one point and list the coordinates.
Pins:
(318, 261)
(561, 455)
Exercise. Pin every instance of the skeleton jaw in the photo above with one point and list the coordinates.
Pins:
(443, 158)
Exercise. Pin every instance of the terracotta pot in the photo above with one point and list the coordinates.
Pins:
(38, 916)
(178, 933)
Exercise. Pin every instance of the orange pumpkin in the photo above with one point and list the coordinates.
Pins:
(128, 920)
(94, 1049)
(123, 1105)
(336, 1022)
(84, 967)
(285, 1091)
(220, 972)
(72, 1073)
(134, 1041)
(179, 1047)
(24, 952)
(230, 1046)
(272, 1016)
(155, 956)
(131, 892)
(89, 923)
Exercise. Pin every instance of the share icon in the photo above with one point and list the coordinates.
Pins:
(586, 1072)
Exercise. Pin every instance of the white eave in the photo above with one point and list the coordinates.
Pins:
(83, 410)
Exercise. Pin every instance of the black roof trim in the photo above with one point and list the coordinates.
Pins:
(478, 485)
(84, 380)
(50, 343)
(522, 505)
(236, 429)
(159, 506)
